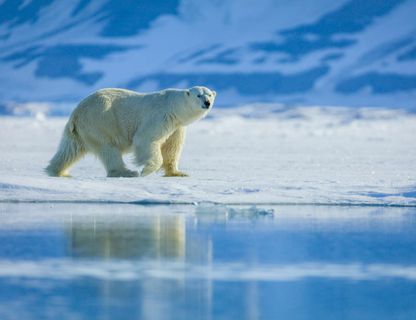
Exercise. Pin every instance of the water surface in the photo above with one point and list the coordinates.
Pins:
(87, 261)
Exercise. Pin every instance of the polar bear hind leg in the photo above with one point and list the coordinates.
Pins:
(171, 152)
(113, 162)
(149, 155)
(70, 150)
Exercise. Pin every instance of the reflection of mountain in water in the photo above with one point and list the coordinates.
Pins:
(343, 52)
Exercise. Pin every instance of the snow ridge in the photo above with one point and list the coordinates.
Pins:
(256, 154)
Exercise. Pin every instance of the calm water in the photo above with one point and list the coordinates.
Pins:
(206, 262)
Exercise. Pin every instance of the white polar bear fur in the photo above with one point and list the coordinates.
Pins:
(111, 122)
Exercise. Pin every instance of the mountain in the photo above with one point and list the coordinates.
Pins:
(345, 52)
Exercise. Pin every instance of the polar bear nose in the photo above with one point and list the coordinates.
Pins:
(207, 103)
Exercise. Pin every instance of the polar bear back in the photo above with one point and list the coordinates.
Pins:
(118, 113)
(122, 101)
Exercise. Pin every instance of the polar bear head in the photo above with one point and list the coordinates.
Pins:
(202, 98)
(199, 100)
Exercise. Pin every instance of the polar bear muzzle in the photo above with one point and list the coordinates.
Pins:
(206, 105)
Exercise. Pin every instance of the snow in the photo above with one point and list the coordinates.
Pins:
(256, 154)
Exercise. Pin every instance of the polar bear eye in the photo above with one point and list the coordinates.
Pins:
(199, 95)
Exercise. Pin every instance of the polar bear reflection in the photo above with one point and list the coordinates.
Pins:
(149, 238)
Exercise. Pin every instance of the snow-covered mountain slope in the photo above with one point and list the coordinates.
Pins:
(346, 52)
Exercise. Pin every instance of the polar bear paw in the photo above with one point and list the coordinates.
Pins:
(176, 174)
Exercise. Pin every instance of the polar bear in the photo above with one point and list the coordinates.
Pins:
(113, 121)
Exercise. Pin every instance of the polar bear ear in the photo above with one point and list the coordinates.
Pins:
(214, 93)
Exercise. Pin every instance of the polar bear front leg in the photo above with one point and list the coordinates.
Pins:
(171, 152)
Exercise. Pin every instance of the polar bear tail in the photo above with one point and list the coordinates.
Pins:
(70, 150)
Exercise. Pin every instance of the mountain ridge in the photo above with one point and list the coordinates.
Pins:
(345, 53)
